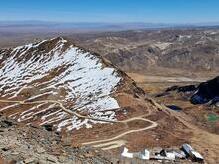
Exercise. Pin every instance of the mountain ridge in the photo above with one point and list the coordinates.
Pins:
(21, 68)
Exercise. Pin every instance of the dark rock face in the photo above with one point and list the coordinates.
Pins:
(207, 91)
(175, 108)
(187, 88)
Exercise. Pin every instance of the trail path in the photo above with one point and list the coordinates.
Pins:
(112, 142)
(153, 125)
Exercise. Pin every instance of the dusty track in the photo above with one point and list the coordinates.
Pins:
(60, 105)
(104, 142)
(153, 125)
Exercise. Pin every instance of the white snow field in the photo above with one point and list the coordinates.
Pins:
(87, 83)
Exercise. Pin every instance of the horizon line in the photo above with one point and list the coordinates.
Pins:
(103, 22)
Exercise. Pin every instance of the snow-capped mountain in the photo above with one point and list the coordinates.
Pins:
(56, 70)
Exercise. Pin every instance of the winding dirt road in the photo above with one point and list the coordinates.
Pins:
(153, 125)
(112, 142)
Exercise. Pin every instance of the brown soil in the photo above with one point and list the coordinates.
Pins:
(194, 128)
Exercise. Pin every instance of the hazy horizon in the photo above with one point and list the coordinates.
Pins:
(112, 11)
(107, 22)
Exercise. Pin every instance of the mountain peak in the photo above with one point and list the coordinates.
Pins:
(55, 71)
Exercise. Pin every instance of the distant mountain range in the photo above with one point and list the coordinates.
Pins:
(91, 26)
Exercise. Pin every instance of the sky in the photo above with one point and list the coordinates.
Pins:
(150, 11)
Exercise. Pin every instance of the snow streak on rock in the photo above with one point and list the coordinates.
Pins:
(55, 70)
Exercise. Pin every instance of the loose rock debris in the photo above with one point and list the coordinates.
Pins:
(32, 144)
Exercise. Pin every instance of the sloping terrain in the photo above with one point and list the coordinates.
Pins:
(80, 95)
(201, 119)
(55, 83)
(34, 144)
(199, 101)
(55, 70)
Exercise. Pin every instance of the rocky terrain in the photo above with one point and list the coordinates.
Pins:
(157, 51)
(202, 93)
(35, 144)
(207, 92)
(58, 85)
(173, 51)
(190, 97)
(74, 98)
(57, 71)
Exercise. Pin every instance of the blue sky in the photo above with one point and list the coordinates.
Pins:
(152, 11)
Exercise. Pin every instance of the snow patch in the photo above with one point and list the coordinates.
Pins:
(86, 82)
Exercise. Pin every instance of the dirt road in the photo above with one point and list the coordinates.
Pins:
(153, 125)
(104, 141)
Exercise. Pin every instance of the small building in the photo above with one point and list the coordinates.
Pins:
(196, 156)
(126, 154)
(159, 157)
(179, 154)
(187, 149)
(190, 152)
(168, 155)
(145, 155)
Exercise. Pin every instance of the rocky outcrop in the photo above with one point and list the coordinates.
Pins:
(207, 92)
(34, 144)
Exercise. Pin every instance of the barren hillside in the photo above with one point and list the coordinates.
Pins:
(80, 95)
(163, 52)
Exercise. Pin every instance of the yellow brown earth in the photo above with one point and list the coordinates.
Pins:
(141, 117)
